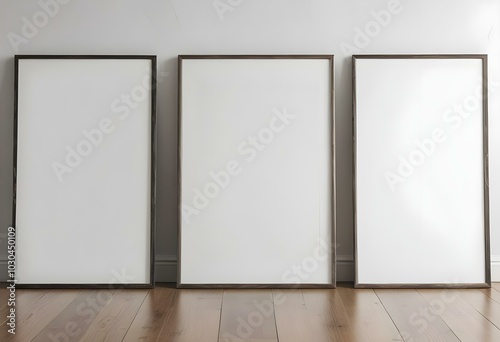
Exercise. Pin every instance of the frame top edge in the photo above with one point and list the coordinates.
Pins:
(290, 56)
(421, 56)
(24, 56)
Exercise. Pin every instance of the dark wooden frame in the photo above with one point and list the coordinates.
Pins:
(484, 59)
(330, 58)
(153, 59)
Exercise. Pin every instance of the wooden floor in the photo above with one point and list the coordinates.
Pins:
(169, 314)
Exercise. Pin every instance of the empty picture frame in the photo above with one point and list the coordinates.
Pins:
(84, 171)
(256, 171)
(421, 173)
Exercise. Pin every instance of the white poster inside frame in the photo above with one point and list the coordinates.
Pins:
(256, 171)
(84, 171)
(421, 187)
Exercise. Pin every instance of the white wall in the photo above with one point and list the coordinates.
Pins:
(169, 28)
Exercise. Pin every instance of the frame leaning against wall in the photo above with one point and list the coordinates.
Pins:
(222, 100)
(90, 224)
(450, 250)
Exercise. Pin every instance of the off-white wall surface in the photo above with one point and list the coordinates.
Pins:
(169, 28)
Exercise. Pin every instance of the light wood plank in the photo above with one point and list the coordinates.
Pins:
(149, 320)
(72, 322)
(247, 315)
(483, 304)
(495, 286)
(367, 316)
(4, 307)
(194, 316)
(414, 318)
(113, 321)
(292, 318)
(33, 316)
(468, 324)
(492, 293)
(4, 295)
(327, 316)
(23, 298)
(342, 314)
(25, 301)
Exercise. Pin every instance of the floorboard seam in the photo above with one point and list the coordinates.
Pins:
(136, 313)
(220, 315)
(437, 314)
(274, 315)
(389, 314)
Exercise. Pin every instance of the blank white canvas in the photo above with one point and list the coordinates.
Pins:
(428, 226)
(93, 227)
(276, 214)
